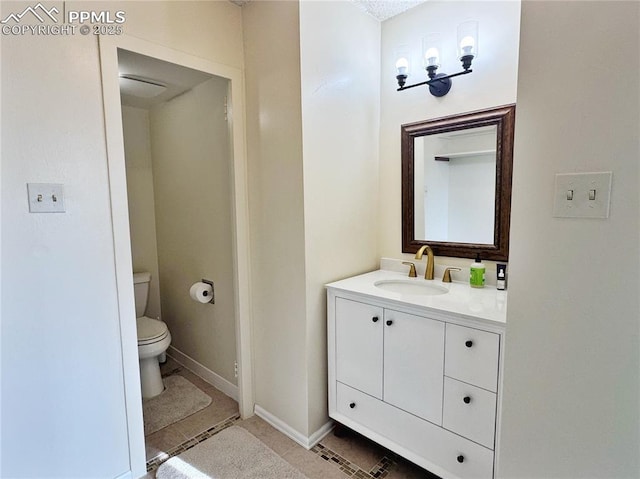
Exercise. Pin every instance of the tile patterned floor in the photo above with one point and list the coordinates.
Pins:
(350, 455)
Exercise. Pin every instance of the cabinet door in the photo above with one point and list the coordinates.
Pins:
(359, 346)
(413, 364)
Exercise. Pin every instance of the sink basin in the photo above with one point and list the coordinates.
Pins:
(410, 287)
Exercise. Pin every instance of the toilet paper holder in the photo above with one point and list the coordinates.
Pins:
(213, 291)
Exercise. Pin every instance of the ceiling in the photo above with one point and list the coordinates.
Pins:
(379, 9)
(176, 78)
(385, 9)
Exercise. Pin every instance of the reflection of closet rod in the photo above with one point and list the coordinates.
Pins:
(464, 154)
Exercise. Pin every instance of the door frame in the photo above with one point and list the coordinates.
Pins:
(109, 46)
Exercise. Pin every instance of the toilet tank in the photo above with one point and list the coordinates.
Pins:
(141, 291)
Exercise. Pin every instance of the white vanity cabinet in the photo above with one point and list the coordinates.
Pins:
(419, 381)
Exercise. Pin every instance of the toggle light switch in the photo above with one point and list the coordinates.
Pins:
(582, 195)
(45, 198)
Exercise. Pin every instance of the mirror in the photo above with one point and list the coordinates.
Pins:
(456, 184)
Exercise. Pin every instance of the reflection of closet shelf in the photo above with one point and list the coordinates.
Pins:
(463, 154)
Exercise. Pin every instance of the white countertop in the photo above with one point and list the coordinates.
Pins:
(486, 303)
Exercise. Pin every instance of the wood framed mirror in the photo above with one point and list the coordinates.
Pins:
(456, 184)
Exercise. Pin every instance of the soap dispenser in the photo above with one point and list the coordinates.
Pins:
(476, 273)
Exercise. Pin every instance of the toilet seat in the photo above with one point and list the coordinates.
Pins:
(151, 330)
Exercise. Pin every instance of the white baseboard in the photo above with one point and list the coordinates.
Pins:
(284, 428)
(205, 373)
(317, 436)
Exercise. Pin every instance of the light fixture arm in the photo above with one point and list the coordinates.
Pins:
(439, 78)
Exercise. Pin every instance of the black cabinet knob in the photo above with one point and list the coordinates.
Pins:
(467, 399)
(460, 458)
(352, 405)
(468, 343)
(374, 319)
(389, 322)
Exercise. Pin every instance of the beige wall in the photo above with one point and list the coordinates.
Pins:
(66, 340)
(61, 357)
(192, 184)
(210, 29)
(492, 83)
(340, 118)
(313, 183)
(572, 353)
(276, 201)
(142, 217)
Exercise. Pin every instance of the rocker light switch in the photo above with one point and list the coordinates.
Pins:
(45, 198)
(582, 195)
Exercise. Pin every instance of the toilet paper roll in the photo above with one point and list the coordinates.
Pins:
(201, 292)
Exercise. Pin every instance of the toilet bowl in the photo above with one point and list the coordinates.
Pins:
(153, 339)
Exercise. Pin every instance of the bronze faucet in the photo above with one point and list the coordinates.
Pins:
(446, 278)
(428, 274)
(412, 269)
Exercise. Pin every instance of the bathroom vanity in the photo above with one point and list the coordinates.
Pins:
(416, 366)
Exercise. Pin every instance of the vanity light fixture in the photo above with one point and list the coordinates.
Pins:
(440, 83)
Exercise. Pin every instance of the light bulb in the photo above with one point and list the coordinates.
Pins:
(467, 45)
(432, 57)
(402, 66)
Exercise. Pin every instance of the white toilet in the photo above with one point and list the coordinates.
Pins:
(153, 339)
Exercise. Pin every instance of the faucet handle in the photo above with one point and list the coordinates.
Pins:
(412, 269)
(446, 278)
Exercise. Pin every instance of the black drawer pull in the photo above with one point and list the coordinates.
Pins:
(460, 458)
(374, 319)
(352, 405)
(389, 322)
(468, 343)
(467, 399)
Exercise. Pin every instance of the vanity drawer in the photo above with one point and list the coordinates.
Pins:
(469, 411)
(445, 453)
(472, 356)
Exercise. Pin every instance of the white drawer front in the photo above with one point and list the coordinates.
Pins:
(446, 454)
(469, 411)
(472, 356)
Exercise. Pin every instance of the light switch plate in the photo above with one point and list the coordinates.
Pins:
(573, 193)
(45, 198)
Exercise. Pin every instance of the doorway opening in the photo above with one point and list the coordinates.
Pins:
(178, 193)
